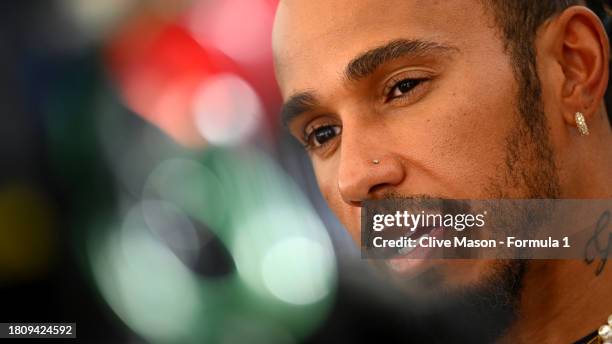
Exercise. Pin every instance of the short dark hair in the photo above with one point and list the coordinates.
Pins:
(518, 22)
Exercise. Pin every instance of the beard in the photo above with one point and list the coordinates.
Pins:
(484, 310)
(479, 313)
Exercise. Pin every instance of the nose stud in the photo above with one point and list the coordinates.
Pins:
(376, 162)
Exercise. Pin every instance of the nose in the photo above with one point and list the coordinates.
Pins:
(367, 172)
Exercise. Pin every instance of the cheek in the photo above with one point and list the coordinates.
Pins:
(479, 154)
(476, 113)
(467, 131)
(349, 216)
(476, 134)
(326, 179)
(328, 190)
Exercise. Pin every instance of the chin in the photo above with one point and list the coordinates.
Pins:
(427, 278)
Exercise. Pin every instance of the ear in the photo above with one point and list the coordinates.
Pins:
(581, 47)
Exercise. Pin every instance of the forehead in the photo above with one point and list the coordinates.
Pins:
(319, 37)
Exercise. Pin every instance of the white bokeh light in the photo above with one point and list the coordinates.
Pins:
(298, 271)
(226, 109)
(174, 228)
(145, 283)
(191, 186)
(91, 21)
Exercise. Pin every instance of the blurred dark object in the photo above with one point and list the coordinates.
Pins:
(52, 79)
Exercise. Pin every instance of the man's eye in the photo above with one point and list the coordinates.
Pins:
(321, 135)
(403, 87)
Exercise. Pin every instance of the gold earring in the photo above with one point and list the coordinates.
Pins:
(376, 162)
(583, 128)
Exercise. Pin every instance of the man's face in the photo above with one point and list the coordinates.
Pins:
(424, 87)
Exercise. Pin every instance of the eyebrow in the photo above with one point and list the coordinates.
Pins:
(367, 63)
(362, 66)
(298, 104)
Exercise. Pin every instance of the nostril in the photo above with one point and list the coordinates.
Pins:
(355, 203)
(379, 191)
(360, 179)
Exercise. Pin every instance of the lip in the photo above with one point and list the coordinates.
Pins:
(415, 258)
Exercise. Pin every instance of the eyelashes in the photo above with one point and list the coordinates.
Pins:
(402, 87)
(323, 131)
(321, 135)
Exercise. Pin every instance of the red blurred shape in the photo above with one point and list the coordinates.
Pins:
(242, 30)
(158, 67)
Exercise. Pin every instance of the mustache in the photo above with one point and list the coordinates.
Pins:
(416, 197)
(427, 202)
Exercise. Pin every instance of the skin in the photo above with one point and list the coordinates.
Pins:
(448, 135)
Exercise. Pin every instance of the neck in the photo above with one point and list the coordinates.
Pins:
(562, 301)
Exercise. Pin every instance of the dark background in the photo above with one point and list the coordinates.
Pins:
(58, 78)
